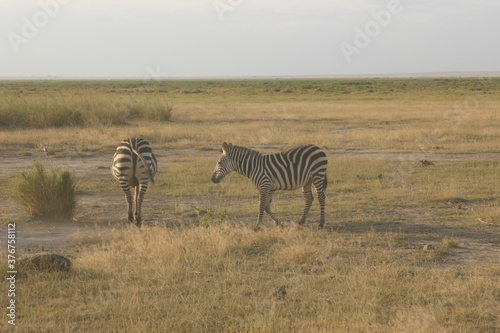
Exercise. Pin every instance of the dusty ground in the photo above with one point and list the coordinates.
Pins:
(99, 212)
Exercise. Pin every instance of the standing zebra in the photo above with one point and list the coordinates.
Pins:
(299, 167)
(134, 165)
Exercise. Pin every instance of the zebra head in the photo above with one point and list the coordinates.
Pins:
(224, 165)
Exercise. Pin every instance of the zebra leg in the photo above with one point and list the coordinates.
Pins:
(321, 199)
(306, 190)
(139, 195)
(140, 190)
(320, 186)
(263, 196)
(128, 196)
(268, 208)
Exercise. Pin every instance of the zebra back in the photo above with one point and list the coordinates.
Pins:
(287, 170)
(296, 167)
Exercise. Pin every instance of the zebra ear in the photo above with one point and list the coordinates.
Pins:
(225, 148)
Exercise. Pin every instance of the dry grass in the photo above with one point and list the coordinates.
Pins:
(389, 127)
(222, 280)
(41, 111)
(398, 115)
(366, 272)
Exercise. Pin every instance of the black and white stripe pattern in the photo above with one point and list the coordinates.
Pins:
(134, 165)
(296, 168)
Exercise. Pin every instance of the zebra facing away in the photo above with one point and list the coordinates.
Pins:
(299, 167)
(134, 165)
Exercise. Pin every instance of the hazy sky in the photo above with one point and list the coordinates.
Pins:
(179, 38)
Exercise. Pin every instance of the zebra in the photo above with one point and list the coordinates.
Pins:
(299, 167)
(134, 165)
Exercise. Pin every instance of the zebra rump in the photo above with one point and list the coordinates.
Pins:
(134, 165)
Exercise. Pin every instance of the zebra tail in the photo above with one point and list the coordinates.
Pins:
(325, 182)
(145, 164)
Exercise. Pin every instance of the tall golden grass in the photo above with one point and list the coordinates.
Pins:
(40, 111)
(388, 126)
(431, 115)
(224, 280)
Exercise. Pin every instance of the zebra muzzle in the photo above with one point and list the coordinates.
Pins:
(215, 179)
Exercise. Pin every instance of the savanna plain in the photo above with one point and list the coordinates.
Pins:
(412, 235)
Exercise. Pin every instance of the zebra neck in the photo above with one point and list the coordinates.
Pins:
(246, 161)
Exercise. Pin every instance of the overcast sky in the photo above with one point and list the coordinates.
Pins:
(186, 38)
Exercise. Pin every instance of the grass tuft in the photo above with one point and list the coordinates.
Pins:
(46, 194)
(450, 243)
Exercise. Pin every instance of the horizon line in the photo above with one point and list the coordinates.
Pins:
(256, 77)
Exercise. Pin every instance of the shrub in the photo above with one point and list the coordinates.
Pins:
(207, 217)
(46, 195)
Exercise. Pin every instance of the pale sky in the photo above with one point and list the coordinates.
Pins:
(200, 38)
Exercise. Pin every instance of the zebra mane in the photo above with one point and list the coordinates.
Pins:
(233, 150)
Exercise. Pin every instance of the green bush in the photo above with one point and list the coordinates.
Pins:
(207, 217)
(46, 194)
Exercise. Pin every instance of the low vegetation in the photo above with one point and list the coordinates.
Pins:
(39, 111)
(225, 279)
(401, 115)
(408, 246)
(50, 195)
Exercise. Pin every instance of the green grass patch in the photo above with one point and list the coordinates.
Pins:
(261, 90)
